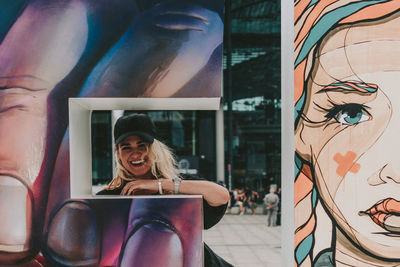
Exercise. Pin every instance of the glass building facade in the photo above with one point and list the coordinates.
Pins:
(254, 92)
(250, 116)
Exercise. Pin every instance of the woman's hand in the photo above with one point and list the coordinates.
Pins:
(214, 194)
(140, 187)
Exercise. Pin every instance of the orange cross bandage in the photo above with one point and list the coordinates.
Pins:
(346, 163)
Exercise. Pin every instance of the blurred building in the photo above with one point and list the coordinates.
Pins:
(201, 139)
(255, 93)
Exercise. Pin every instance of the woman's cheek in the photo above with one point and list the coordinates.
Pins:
(346, 163)
(339, 155)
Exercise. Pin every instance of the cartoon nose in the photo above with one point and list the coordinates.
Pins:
(389, 172)
(386, 174)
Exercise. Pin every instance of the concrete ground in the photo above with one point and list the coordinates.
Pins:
(246, 241)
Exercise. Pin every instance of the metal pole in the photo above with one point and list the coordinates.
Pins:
(219, 132)
(287, 134)
(193, 133)
(228, 83)
(115, 114)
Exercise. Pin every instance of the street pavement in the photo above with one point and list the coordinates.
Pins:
(246, 241)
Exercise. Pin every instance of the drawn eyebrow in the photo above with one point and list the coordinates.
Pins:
(350, 87)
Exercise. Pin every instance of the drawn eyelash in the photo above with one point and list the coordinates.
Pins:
(345, 114)
(351, 107)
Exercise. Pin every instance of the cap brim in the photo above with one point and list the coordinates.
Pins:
(146, 137)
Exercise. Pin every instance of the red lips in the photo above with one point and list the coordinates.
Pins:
(383, 211)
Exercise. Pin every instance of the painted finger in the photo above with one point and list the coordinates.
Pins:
(178, 214)
(169, 58)
(66, 247)
(158, 238)
(104, 30)
(27, 81)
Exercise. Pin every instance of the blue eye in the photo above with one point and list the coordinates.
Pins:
(350, 114)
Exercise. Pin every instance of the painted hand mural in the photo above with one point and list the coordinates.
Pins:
(347, 120)
(53, 50)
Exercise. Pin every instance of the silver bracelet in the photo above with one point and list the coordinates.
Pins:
(177, 182)
(160, 187)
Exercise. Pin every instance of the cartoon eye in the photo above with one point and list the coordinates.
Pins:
(351, 114)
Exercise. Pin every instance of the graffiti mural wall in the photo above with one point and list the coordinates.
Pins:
(347, 117)
(53, 50)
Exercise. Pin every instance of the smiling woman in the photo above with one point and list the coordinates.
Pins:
(146, 166)
(346, 137)
(139, 156)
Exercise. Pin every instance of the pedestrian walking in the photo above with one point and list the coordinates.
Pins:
(271, 202)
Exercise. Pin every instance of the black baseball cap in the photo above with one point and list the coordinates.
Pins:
(134, 124)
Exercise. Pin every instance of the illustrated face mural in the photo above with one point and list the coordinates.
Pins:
(349, 132)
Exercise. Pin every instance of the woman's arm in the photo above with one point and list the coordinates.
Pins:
(214, 194)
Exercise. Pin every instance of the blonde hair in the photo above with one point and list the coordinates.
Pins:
(163, 165)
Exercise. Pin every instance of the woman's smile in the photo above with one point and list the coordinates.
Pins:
(136, 165)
